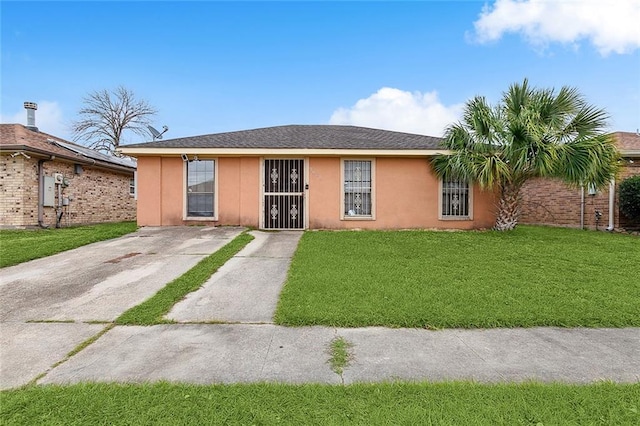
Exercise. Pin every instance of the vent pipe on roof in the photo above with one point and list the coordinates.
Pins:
(31, 108)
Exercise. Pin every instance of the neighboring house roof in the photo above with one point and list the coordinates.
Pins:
(296, 137)
(16, 137)
(628, 143)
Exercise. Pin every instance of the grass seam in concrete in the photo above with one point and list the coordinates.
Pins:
(82, 345)
(152, 310)
(340, 351)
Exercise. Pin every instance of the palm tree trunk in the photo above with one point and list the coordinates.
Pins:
(508, 207)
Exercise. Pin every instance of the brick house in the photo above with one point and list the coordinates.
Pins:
(551, 202)
(47, 181)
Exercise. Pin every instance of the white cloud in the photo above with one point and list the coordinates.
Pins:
(48, 118)
(611, 26)
(399, 110)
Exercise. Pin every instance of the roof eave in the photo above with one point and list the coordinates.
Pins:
(630, 153)
(75, 159)
(305, 152)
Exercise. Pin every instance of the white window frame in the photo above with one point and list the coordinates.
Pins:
(133, 187)
(215, 192)
(344, 216)
(451, 217)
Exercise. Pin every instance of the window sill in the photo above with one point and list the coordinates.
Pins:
(460, 218)
(201, 218)
(350, 218)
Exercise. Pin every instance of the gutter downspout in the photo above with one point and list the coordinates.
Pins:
(582, 207)
(41, 192)
(612, 200)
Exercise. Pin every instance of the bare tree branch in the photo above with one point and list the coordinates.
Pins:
(106, 115)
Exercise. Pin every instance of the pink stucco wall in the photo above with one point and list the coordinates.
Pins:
(239, 191)
(149, 181)
(406, 194)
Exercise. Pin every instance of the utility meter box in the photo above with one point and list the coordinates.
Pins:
(59, 178)
(49, 191)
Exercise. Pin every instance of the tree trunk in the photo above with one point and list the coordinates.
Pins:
(508, 208)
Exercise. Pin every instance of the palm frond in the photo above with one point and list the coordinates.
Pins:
(532, 132)
(591, 160)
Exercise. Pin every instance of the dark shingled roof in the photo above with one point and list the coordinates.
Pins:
(302, 137)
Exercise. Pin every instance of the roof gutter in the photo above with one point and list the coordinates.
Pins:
(73, 158)
(633, 153)
(306, 152)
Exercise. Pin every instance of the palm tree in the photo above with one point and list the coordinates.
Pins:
(530, 133)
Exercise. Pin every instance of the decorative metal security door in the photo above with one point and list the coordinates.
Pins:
(284, 194)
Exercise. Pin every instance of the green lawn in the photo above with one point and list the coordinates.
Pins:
(533, 276)
(17, 246)
(365, 404)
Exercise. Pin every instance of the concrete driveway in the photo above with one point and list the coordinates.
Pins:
(50, 305)
(99, 281)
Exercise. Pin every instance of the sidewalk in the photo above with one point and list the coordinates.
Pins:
(231, 353)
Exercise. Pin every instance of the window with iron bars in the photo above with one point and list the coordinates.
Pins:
(456, 202)
(357, 188)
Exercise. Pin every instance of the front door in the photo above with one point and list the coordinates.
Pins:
(283, 194)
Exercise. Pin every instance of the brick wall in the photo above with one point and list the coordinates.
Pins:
(551, 202)
(12, 190)
(96, 195)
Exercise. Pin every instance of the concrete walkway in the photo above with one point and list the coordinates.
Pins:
(249, 349)
(247, 287)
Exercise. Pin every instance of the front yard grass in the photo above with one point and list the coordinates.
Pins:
(457, 403)
(533, 276)
(17, 246)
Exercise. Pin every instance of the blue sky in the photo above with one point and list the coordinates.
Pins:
(211, 67)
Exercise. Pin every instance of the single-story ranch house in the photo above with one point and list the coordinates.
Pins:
(303, 177)
(47, 181)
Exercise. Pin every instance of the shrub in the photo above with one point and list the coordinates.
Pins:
(630, 197)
